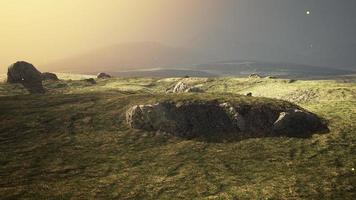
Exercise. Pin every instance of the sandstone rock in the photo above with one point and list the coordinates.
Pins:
(27, 75)
(103, 75)
(49, 76)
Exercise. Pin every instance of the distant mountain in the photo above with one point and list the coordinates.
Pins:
(128, 56)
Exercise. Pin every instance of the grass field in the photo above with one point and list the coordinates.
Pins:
(73, 143)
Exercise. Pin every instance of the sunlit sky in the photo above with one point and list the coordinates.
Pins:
(42, 31)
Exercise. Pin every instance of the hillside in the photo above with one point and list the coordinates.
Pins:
(73, 142)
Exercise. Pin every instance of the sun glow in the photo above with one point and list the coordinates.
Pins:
(41, 31)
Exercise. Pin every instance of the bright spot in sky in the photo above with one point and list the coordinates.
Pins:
(308, 12)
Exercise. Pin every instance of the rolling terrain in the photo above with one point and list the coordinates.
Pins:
(152, 59)
(73, 143)
(282, 70)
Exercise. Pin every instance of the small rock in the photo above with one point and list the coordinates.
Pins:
(49, 76)
(254, 76)
(180, 87)
(249, 94)
(103, 75)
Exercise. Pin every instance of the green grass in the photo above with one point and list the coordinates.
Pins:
(72, 143)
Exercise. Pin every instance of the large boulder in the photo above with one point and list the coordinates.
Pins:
(103, 75)
(147, 117)
(191, 120)
(27, 75)
(222, 120)
(47, 76)
(298, 123)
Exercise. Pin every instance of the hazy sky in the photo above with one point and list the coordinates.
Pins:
(41, 31)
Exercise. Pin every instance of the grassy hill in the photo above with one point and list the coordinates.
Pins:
(72, 143)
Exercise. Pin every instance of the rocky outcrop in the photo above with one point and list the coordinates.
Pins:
(188, 120)
(27, 75)
(103, 75)
(47, 76)
(182, 87)
(296, 123)
(221, 120)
